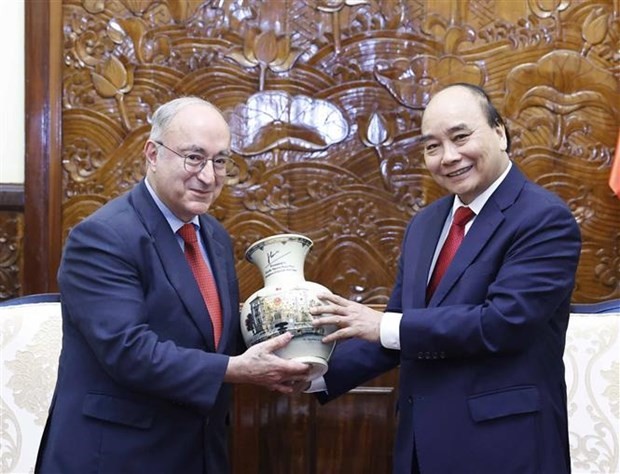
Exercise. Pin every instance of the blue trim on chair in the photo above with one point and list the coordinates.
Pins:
(609, 306)
(29, 299)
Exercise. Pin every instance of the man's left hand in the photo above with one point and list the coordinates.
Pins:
(352, 319)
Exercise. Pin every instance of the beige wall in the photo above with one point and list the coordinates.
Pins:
(12, 139)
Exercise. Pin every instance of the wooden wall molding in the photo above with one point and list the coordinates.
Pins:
(43, 177)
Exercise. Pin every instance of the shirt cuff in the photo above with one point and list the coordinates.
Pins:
(317, 385)
(390, 330)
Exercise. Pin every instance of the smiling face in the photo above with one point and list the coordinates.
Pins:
(463, 153)
(195, 129)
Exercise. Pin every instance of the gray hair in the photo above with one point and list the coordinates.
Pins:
(166, 112)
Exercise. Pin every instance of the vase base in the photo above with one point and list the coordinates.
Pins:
(318, 366)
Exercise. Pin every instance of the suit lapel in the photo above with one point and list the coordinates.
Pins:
(428, 227)
(481, 231)
(173, 261)
(490, 218)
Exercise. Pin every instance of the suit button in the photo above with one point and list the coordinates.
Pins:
(427, 355)
(420, 355)
(442, 355)
(410, 400)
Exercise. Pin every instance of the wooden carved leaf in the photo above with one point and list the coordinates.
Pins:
(113, 78)
(276, 119)
(181, 10)
(266, 48)
(137, 7)
(412, 82)
(566, 71)
(595, 26)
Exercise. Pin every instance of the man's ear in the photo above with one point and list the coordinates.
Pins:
(150, 152)
(500, 129)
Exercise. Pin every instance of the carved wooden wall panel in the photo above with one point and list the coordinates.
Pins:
(324, 98)
(11, 253)
(11, 240)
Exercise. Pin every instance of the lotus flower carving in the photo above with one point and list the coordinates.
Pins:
(265, 50)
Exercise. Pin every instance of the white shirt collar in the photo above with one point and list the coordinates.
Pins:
(478, 203)
(173, 221)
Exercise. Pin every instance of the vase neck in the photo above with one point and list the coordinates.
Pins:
(282, 267)
(281, 261)
(283, 277)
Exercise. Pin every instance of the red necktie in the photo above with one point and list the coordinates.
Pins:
(455, 236)
(204, 277)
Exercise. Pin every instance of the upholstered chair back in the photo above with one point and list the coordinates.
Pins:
(30, 341)
(592, 359)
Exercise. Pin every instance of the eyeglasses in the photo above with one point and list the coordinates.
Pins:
(195, 162)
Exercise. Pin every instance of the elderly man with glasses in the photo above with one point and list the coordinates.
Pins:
(150, 317)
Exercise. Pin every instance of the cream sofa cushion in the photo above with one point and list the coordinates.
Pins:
(592, 359)
(30, 341)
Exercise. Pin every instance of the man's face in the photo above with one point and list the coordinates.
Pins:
(196, 130)
(462, 152)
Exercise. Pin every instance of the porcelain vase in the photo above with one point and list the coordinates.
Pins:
(284, 302)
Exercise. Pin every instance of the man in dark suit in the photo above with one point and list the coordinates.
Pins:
(147, 361)
(480, 349)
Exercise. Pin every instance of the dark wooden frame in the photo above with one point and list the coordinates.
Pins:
(43, 171)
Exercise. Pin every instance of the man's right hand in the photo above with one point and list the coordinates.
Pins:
(260, 366)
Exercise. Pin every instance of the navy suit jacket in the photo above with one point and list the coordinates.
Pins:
(482, 386)
(140, 384)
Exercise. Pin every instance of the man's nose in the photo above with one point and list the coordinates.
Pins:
(450, 153)
(207, 173)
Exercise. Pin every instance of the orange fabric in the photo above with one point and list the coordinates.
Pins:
(614, 176)
(204, 277)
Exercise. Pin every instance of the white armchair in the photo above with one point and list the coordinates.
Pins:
(592, 359)
(30, 341)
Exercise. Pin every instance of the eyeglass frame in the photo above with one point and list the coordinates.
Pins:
(197, 168)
